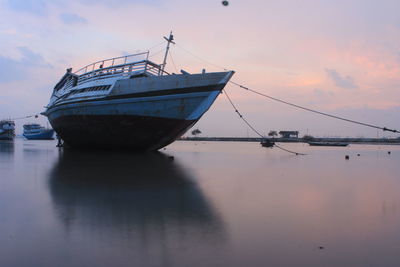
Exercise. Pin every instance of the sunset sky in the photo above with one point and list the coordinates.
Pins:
(340, 57)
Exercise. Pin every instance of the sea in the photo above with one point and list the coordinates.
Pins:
(199, 204)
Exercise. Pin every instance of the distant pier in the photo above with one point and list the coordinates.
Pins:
(382, 141)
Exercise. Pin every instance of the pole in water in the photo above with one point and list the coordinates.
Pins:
(60, 142)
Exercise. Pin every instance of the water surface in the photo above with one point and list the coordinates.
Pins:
(214, 204)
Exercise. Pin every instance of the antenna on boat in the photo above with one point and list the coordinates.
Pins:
(170, 40)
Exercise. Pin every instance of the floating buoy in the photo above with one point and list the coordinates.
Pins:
(347, 157)
(225, 3)
(389, 152)
(358, 155)
(321, 247)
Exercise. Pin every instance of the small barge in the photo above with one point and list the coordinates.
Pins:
(328, 144)
(267, 143)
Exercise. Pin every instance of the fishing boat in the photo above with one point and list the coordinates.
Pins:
(7, 130)
(34, 131)
(130, 102)
(267, 143)
(328, 144)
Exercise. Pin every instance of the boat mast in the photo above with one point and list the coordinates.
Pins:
(170, 40)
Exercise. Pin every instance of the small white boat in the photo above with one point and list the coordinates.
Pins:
(7, 130)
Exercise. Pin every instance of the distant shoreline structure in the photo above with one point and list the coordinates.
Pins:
(350, 140)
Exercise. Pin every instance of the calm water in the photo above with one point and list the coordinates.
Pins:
(215, 204)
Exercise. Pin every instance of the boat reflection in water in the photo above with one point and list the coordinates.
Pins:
(144, 204)
(6, 148)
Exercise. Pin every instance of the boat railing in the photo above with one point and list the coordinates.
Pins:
(7, 121)
(113, 67)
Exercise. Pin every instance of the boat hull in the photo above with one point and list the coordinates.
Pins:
(8, 135)
(139, 123)
(44, 135)
(138, 113)
(4, 137)
(120, 131)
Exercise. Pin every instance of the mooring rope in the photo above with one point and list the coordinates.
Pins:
(292, 104)
(199, 58)
(156, 45)
(26, 117)
(254, 129)
(241, 116)
(313, 110)
(156, 53)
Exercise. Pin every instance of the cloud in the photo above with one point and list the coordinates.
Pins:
(120, 2)
(36, 7)
(18, 69)
(320, 93)
(32, 58)
(71, 18)
(340, 80)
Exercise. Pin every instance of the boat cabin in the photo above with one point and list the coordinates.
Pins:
(289, 134)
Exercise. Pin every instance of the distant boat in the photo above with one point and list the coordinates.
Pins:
(130, 102)
(7, 130)
(34, 131)
(327, 144)
(267, 143)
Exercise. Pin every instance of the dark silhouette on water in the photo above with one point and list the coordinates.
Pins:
(6, 147)
(141, 197)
